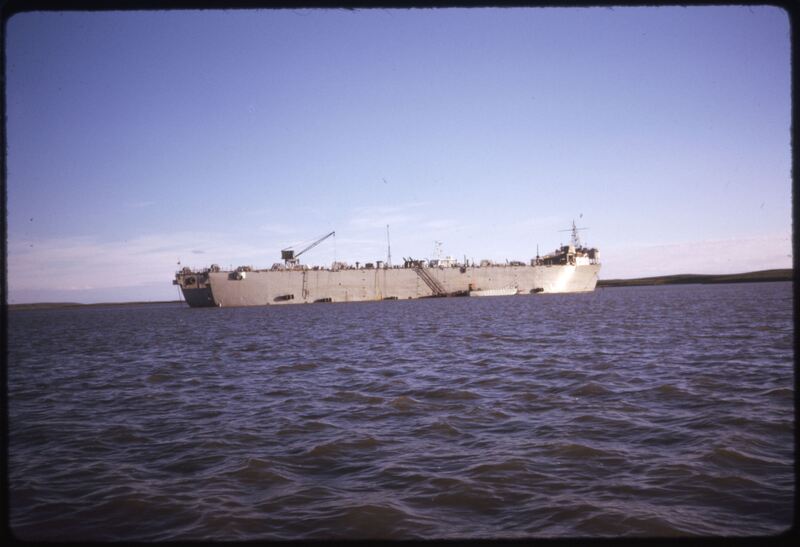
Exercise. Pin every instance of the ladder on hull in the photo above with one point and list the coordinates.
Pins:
(430, 281)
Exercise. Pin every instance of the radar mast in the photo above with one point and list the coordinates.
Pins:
(576, 240)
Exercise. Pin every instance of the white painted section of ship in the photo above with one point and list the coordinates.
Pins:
(494, 292)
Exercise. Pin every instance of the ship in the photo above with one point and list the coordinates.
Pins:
(571, 268)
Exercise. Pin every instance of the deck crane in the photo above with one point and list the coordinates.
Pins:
(289, 256)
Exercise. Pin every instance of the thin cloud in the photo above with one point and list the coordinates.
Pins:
(275, 228)
(442, 224)
(540, 222)
(377, 216)
(82, 262)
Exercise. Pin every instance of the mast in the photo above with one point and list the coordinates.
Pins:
(576, 240)
(388, 249)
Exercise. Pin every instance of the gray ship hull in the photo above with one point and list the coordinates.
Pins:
(275, 287)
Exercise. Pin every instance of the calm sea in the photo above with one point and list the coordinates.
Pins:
(647, 411)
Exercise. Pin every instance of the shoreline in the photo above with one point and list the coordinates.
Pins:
(761, 276)
(56, 305)
(679, 279)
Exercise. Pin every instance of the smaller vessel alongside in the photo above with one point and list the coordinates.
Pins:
(508, 291)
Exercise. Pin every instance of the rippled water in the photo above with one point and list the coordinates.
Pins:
(628, 411)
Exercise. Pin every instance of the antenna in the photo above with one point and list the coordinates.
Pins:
(388, 248)
(437, 249)
(576, 241)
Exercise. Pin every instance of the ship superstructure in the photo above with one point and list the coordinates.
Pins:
(570, 268)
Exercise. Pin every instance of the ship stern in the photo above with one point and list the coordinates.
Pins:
(195, 287)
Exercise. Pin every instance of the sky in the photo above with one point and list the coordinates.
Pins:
(140, 140)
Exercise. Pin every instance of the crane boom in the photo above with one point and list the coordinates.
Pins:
(289, 255)
(317, 242)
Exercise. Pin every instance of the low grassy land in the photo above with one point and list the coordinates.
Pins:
(750, 277)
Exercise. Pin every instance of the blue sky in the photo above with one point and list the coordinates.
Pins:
(138, 139)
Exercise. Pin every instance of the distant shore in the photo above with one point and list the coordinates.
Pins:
(680, 279)
(684, 279)
(53, 305)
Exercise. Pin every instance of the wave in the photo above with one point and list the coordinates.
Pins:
(338, 447)
(353, 397)
(579, 451)
(404, 403)
(727, 456)
(590, 389)
(779, 393)
(439, 427)
(257, 471)
(160, 378)
(296, 367)
(452, 394)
